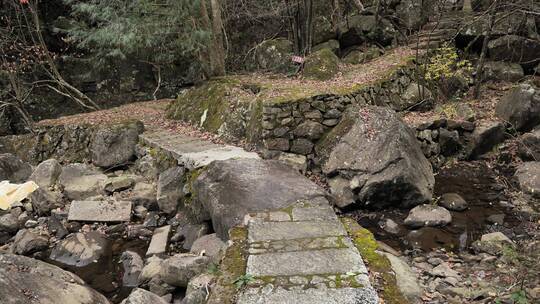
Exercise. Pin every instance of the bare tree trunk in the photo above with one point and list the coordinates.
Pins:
(301, 23)
(481, 61)
(217, 31)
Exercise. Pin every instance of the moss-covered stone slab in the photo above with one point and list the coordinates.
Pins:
(266, 231)
(306, 263)
(310, 296)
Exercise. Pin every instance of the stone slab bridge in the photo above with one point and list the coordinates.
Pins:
(301, 253)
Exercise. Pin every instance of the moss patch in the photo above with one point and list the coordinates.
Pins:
(321, 65)
(232, 267)
(367, 245)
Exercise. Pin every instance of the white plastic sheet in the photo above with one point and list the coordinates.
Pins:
(14, 193)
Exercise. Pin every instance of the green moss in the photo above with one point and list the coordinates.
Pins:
(232, 267)
(366, 244)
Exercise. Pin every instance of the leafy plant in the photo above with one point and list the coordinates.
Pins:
(243, 280)
(213, 268)
(519, 297)
(445, 64)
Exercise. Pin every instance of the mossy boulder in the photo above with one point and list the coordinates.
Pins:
(275, 55)
(332, 45)
(225, 106)
(321, 65)
(357, 56)
(361, 28)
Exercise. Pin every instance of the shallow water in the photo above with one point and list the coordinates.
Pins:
(477, 184)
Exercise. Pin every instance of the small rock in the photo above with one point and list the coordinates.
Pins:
(160, 241)
(529, 145)
(444, 270)
(145, 194)
(521, 107)
(405, 278)
(497, 219)
(80, 181)
(46, 173)
(133, 265)
(428, 215)
(209, 245)
(197, 289)
(80, 249)
(100, 211)
(484, 138)
(309, 129)
(141, 296)
(453, 201)
(9, 223)
(299, 162)
(13, 169)
(528, 175)
(119, 183)
(189, 233)
(180, 268)
(389, 226)
(169, 189)
(27, 242)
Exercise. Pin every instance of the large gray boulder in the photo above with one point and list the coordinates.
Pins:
(500, 70)
(227, 190)
(514, 48)
(380, 156)
(80, 181)
(361, 28)
(13, 168)
(528, 175)
(521, 107)
(529, 145)
(26, 280)
(46, 173)
(275, 55)
(115, 145)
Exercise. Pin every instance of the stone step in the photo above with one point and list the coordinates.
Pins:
(191, 152)
(310, 296)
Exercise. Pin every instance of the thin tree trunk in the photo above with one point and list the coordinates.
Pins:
(217, 30)
(207, 57)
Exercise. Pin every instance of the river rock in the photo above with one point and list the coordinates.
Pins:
(13, 168)
(492, 243)
(500, 70)
(80, 249)
(428, 215)
(389, 226)
(170, 189)
(46, 173)
(141, 296)
(22, 276)
(528, 175)
(484, 138)
(180, 268)
(27, 242)
(521, 107)
(209, 245)
(342, 192)
(382, 153)
(228, 190)
(453, 201)
(529, 145)
(80, 181)
(115, 145)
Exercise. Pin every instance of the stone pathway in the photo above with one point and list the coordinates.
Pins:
(192, 152)
(303, 254)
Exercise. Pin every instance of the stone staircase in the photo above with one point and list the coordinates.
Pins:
(303, 255)
(300, 254)
(436, 32)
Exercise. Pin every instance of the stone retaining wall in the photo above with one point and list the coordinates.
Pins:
(296, 126)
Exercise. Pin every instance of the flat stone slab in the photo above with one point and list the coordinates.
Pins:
(100, 211)
(310, 296)
(191, 152)
(160, 240)
(311, 262)
(266, 231)
(314, 214)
